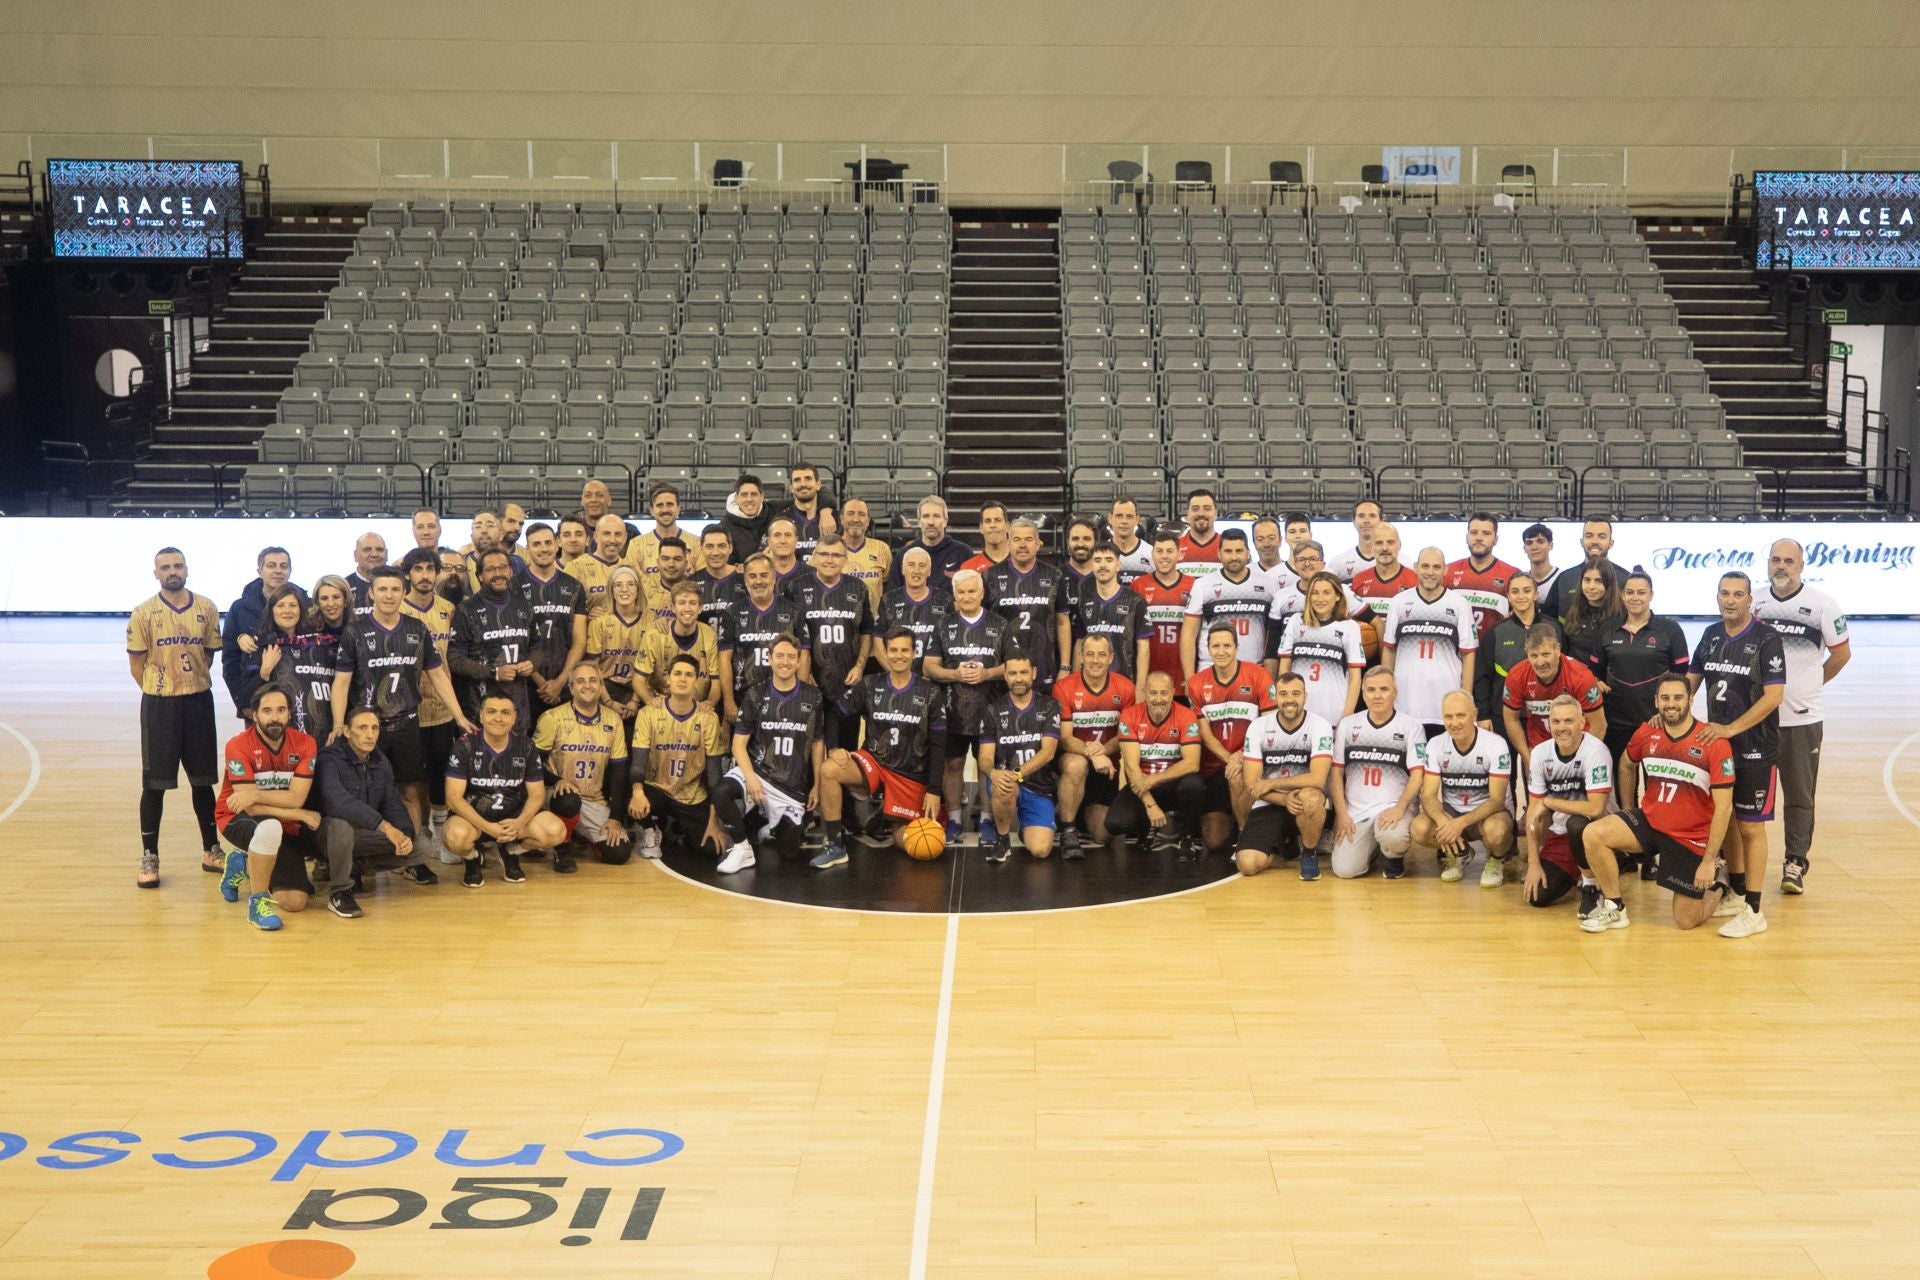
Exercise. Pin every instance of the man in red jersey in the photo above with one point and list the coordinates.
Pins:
(1228, 695)
(1165, 590)
(1091, 700)
(1160, 773)
(1480, 577)
(1685, 808)
(262, 806)
(1534, 684)
(1200, 544)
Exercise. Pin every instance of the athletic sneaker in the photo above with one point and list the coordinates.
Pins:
(989, 834)
(514, 874)
(1000, 850)
(1309, 865)
(263, 912)
(833, 853)
(1793, 878)
(1452, 867)
(212, 860)
(420, 875)
(235, 876)
(738, 858)
(1185, 848)
(565, 863)
(1494, 873)
(648, 844)
(955, 832)
(1608, 915)
(1744, 925)
(341, 903)
(1396, 868)
(1589, 898)
(1649, 867)
(1070, 848)
(476, 873)
(1731, 904)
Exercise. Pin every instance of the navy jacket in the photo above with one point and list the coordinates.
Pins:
(361, 792)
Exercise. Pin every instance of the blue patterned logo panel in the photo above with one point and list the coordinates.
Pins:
(146, 208)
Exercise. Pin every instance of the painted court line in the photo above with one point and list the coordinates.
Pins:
(936, 1088)
(1886, 777)
(33, 771)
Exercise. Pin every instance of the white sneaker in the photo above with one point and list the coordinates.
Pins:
(1731, 904)
(648, 845)
(738, 858)
(1494, 873)
(1605, 916)
(1451, 867)
(1744, 925)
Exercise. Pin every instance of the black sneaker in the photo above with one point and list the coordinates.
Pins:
(476, 874)
(1649, 867)
(1000, 850)
(511, 863)
(1793, 878)
(1187, 849)
(1070, 845)
(1589, 899)
(341, 903)
(422, 875)
(1396, 868)
(564, 861)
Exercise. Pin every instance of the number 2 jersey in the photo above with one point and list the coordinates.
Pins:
(1377, 761)
(1030, 602)
(1284, 752)
(1017, 733)
(1678, 777)
(1735, 670)
(780, 729)
(387, 664)
(496, 780)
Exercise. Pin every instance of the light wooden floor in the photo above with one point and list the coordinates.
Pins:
(1263, 1079)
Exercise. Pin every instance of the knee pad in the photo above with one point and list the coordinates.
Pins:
(566, 807)
(616, 855)
(265, 840)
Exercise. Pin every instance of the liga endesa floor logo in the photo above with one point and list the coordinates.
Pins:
(488, 1202)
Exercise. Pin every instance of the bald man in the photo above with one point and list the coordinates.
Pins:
(369, 553)
(1428, 640)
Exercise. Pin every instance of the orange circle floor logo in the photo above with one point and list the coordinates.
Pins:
(283, 1260)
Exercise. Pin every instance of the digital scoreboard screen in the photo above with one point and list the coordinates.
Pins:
(146, 208)
(1837, 221)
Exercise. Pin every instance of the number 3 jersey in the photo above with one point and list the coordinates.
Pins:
(386, 664)
(780, 728)
(1284, 752)
(1377, 761)
(902, 722)
(496, 780)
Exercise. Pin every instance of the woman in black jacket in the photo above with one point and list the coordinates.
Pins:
(1596, 610)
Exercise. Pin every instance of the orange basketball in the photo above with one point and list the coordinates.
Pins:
(1370, 641)
(924, 839)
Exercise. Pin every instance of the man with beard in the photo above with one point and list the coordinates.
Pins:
(1019, 749)
(1596, 542)
(584, 745)
(643, 552)
(869, 559)
(172, 638)
(1077, 574)
(1200, 544)
(1235, 596)
(1286, 761)
(1481, 578)
(903, 761)
(777, 759)
(491, 651)
(559, 605)
(262, 806)
(435, 612)
(752, 622)
(486, 536)
(812, 520)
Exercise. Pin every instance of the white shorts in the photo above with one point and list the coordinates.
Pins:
(1353, 857)
(775, 804)
(593, 820)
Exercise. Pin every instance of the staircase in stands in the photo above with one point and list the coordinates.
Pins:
(1779, 415)
(1006, 391)
(253, 342)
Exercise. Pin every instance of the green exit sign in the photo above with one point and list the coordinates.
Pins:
(159, 306)
(1840, 348)
(1833, 317)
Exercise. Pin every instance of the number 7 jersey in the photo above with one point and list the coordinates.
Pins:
(386, 665)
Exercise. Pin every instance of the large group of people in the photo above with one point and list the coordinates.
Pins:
(581, 687)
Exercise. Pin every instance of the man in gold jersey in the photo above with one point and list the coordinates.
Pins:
(868, 558)
(597, 566)
(172, 639)
(585, 747)
(676, 757)
(643, 552)
(423, 601)
(685, 634)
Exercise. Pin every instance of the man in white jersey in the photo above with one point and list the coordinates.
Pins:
(1366, 518)
(1287, 757)
(1463, 795)
(1309, 558)
(1428, 642)
(1569, 784)
(1237, 596)
(1123, 531)
(1379, 762)
(1268, 559)
(1813, 632)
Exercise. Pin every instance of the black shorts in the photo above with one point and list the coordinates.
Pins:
(1557, 885)
(177, 732)
(290, 864)
(436, 744)
(960, 745)
(1100, 791)
(1219, 792)
(1755, 785)
(1269, 828)
(681, 825)
(1676, 863)
(402, 743)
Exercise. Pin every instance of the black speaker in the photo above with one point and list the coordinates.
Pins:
(1879, 298)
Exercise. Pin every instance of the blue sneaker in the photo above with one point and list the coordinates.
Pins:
(234, 877)
(832, 853)
(989, 834)
(263, 913)
(1309, 865)
(955, 832)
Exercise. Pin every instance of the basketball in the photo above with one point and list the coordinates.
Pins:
(924, 839)
(1370, 641)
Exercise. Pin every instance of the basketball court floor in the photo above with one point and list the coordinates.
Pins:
(636, 1073)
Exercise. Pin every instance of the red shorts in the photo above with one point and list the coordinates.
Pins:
(900, 796)
(1556, 850)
